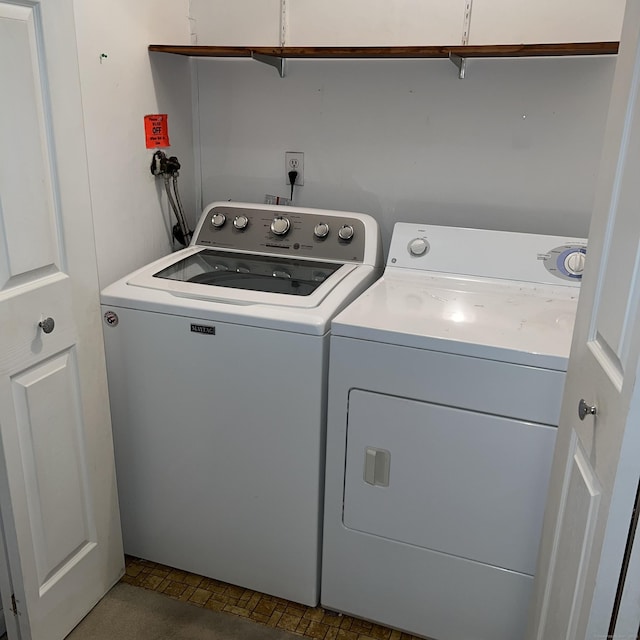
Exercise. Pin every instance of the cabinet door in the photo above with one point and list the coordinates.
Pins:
(374, 23)
(543, 21)
(238, 23)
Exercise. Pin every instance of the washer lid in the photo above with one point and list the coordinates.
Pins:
(250, 272)
(516, 322)
(242, 278)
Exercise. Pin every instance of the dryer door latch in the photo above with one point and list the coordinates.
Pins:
(376, 466)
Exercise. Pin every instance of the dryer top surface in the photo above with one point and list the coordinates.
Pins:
(521, 323)
(503, 296)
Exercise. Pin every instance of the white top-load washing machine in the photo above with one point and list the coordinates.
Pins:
(217, 360)
(445, 387)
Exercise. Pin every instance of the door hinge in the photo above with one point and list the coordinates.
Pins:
(14, 605)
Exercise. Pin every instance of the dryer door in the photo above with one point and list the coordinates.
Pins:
(467, 484)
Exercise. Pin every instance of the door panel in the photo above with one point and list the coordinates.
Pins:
(574, 541)
(52, 456)
(618, 287)
(30, 191)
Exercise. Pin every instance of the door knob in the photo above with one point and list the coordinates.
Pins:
(47, 325)
(586, 410)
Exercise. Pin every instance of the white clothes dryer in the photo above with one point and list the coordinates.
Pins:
(445, 385)
(217, 361)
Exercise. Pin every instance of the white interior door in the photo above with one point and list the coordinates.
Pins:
(57, 481)
(596, 466)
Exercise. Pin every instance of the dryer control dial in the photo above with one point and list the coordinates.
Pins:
(218, 220)
(321, 230)
(346, 232)
(566, 261)
(241, 222)
(574, 263)
(418, 247)
(280, 226)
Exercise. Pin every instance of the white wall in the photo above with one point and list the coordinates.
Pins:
(513, 146)
(131, 216)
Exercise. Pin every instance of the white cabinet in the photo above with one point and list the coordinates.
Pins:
(330, 23)
(236, 22)
(374, 23)
(545, 21)
(402, 23)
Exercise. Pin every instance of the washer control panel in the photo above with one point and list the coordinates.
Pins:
(484, 253)
(312, 233)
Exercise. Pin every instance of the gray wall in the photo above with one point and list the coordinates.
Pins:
(513, 146)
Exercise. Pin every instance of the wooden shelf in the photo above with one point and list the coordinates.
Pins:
(468, 51)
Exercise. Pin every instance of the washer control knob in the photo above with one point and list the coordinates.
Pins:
(218, 220)
(418, 247)
(346, 232)
(280, 226)
(574, 263)
(241, 222)
(321, 230)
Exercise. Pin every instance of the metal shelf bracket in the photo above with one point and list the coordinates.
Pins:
(274, 61)
(460, 62)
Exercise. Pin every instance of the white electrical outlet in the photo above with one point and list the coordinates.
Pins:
(294, 161)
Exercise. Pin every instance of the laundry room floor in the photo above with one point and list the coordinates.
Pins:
(308, 622)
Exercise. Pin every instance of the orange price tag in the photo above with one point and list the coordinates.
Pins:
(156, 130)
